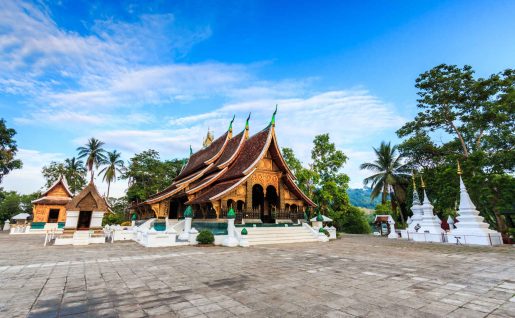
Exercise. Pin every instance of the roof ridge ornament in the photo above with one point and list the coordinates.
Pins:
(230, 124)
(247, 122)
(191, 151)
(272, 122)
(460, 172)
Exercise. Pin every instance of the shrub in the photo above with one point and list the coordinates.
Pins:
(353, 220)
(326, 232)
(112, 218)
(205, 237)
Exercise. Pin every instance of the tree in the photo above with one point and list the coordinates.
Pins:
(114, 165)
(389, 174)
(72, 169)
(94, 154)
(75, 174)
(477, 118)
(331, 193)
(307, 178)
(8, 150)
(147, 174)
(324, 182)
(12, 203)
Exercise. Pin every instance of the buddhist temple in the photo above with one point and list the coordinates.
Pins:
(247, 173)
(49, 210)
(86, 210)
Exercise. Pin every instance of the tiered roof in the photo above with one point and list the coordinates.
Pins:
(225, 164)
(88, 199)
(57, 194)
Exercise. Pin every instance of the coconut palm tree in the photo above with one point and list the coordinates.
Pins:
(94, 154)
(389, 174)
(75, 174)
(114, 165)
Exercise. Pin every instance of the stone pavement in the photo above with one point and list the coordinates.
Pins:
(359, 276)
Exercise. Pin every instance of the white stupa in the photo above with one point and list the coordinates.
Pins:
(429, 229)
(416, 208)
(471, 228)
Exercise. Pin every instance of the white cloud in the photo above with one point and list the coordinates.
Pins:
(29, 179)
(108, 84)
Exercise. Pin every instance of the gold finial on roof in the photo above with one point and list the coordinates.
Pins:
(423, 185)
(208, 140)
(413, 179)
(459, 168)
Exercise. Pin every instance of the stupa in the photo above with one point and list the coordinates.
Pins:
(471, 228)
(416, 208)
(429, 229)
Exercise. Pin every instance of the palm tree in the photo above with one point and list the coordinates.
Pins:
(114, 165)
(75, 173)
(94, 154)
(390, 174)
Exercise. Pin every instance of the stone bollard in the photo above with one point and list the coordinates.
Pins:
(7, 225)
(188, 216)
(230, 240)
(243, 240)
(393, 234)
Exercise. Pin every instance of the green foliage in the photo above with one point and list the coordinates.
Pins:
(72, 169)
(478, 114)
(350, 220)
(113, 218)
(205, 237)
(12, 203)
(361, 198)
(94, 154)
(8, 150)
(324, 182)
(147, 174)
(383, 209)
(114, 164)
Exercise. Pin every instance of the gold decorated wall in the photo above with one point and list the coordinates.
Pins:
(41, 211)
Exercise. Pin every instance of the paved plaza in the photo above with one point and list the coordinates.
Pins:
(360, 276)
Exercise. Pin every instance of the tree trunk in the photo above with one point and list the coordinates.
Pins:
(108, 187)
(460, 137)
(385, 193)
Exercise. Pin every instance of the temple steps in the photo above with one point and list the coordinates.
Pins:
(276, 235)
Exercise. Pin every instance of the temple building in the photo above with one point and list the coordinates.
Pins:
(49, 211)
(247, 173)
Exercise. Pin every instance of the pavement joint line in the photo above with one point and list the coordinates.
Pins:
(110, 260)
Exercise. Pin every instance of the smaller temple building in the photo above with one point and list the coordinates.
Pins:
(49, 211)
(86, 210)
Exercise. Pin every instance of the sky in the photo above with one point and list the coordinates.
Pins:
(144, 75)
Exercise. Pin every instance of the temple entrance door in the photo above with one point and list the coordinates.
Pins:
(258, 200)
(84, 220)
(173, 212)
(53, 215)
(271, 203)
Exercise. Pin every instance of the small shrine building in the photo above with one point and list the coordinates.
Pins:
(247, 173)
(86, 210)
(50, 209)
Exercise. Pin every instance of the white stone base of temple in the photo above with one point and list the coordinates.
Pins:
(158, 239)
(80, 238)
(486, 237)
(290, 234)
(427, 237)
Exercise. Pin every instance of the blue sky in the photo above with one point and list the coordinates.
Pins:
(139, 75)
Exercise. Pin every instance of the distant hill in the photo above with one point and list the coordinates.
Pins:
(361, 198)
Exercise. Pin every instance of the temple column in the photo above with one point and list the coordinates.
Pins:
(248, 196)
(216, 207)
(281, 196)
